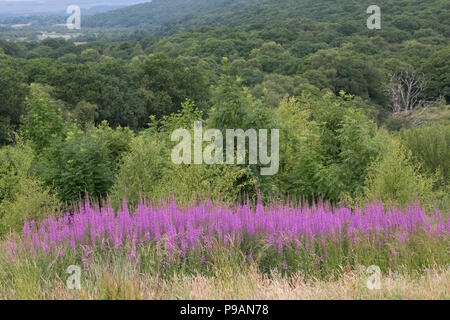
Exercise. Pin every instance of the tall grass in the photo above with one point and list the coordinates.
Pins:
(165, 240)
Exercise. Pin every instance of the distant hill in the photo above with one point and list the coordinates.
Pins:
(160, 12)
(166, 17)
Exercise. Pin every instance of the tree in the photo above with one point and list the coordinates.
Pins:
(85, 113)
(348, 71)
(327, 145)
(396, 177)
(437, 72)
(42, 123)
(169, 83)
(405, 90)
(231, 103)
(90, 55)
(78, 163)
(13, 91)
(271, 57)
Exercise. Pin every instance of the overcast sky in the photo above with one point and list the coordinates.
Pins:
(22, 7)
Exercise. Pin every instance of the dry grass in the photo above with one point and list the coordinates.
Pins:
(247, 285)
(256, 286)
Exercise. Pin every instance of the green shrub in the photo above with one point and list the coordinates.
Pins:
(22, 194)
(117, 141)
(142, 168)
(430, 146)
(396, 177)
(226, 182)
(327, 144)
(42, 123)
(148, 171)
(79, 163)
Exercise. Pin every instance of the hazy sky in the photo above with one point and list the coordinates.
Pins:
(21, 7)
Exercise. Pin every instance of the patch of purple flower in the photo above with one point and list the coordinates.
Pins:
(183, 229)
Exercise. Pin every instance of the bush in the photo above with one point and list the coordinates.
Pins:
(77, 164)
(148, 171)
(430, 146)
(395, 177)
(142, 168)
(42, 123)
(117, 140)
(225, 182)
(327, 144)
(21, 193)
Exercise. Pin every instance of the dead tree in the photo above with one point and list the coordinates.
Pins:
(406, 92)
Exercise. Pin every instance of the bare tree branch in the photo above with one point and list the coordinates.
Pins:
(406, 90)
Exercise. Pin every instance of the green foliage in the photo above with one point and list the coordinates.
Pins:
(85, 113)
(169, 83)
(117, 141)
(430, 146)
(78, 163)
(105, 89)
(147, 171)
(232, 105)
(347, 17)
(395, 177)
(349, 71)
(270, 58)
(42, 123)
(305, 51)
(303, 45)
(437, 71)
(300, 158)
(142, 168)
(12, 97)
(22, 194)
(327, 145)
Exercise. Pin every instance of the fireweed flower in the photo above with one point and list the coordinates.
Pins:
(87, 257)
(394, 254)
(196, 227)
(250, 256)
(133, 254)
(12, 248)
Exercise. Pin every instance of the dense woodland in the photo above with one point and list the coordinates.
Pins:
(97, 117)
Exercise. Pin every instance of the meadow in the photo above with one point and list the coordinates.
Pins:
(168, 250)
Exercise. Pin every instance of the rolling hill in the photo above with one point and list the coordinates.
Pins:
(169, 16)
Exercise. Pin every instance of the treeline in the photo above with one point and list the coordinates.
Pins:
(164, 17)
(126, 86)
